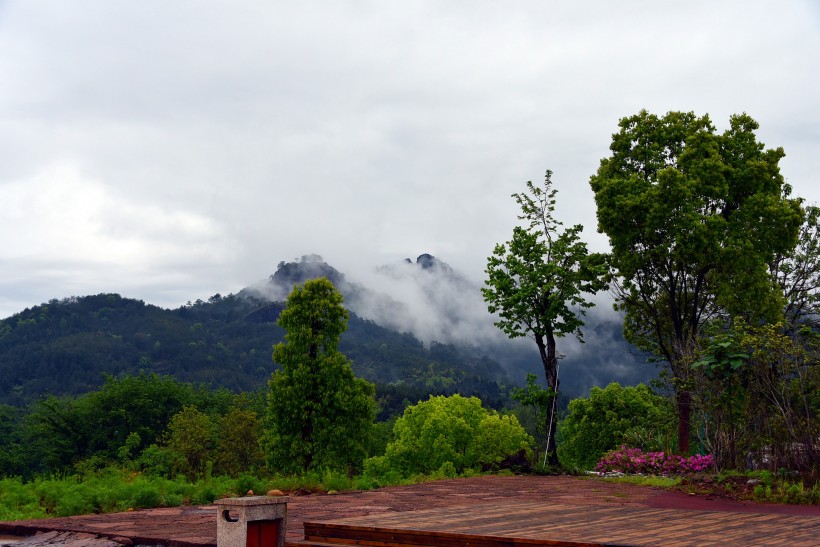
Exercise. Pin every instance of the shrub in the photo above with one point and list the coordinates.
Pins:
(146, 498)
(634, 460)
(448, 430)
(609, 417)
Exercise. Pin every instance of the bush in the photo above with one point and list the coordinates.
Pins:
(609, 417)
(146, 498)
(634, 460)
(159, 461)
(448, 430)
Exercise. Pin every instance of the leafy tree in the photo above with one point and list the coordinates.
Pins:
(610, 417)
(12, 443)
(116, 422)
(238, 449)
(693, 219)
(319, 413)
(536, 283)
(797, 273)
(448, 433)
(191, 435)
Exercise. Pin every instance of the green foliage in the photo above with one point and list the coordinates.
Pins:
(448, 435)
(538, 401)
(721, 358)
(13, 448)
(131, 412)
(110, 490)
(238, 449)
(766, 411)
(693, 219)
(65, 347)
(608, 417)
(654, 481)
(797, 273)
(319, 414)
(159, 461)
(537, 280)
(191, 435)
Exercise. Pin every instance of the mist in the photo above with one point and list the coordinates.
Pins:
(437, 304)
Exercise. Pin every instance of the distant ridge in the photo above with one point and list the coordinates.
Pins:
(424, 329)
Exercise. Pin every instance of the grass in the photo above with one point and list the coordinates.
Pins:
(761, 486)
(646, 480)
(113, 490)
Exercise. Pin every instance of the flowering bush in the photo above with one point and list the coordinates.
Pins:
(634, 460)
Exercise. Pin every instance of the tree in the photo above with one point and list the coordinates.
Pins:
(237, 448)
(448, 435)
(319, 413)
(191, 435)
(536, 283)
(612, 416)
(797, 273)
(693, 219)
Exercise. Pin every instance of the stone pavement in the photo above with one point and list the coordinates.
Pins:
(196, 526)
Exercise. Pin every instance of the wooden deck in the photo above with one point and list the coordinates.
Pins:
(538, 523)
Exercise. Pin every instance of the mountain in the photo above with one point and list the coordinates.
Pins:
(66, 347)
(430, 299)
(417, 327)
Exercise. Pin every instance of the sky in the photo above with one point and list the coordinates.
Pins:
(168, 151)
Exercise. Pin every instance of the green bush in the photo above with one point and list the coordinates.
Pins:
(448, 430)
(146, 498)
(159, 461)
(610, 417)
(18, 501)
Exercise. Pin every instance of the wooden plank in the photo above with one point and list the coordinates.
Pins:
(537, 523)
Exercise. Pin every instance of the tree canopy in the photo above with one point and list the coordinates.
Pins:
(449, 435)
(694, 218)
(319, 413)
(537, 280)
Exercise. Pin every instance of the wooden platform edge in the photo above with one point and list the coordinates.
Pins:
(377, 536)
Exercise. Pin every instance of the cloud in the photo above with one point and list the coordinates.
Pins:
(69, 229)
(250, 133)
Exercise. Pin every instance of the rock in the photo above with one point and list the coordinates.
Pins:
(275, 493)
(249, 493)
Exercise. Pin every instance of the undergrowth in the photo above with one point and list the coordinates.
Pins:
(760, 486)
(113, 490)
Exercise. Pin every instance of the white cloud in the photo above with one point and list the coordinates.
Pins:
(213, 139)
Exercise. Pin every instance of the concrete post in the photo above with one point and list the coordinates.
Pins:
(253, 521)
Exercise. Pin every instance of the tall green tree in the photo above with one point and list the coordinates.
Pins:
(693, 218)
(537, 283)
(319, 413)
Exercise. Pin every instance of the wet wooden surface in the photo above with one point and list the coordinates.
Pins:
(538, 523)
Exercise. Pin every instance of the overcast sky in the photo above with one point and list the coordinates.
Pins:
(172, 150)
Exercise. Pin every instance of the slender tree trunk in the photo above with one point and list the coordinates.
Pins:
(684, 399)
(547, 353)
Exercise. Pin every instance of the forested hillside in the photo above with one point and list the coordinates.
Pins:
(66, 346)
